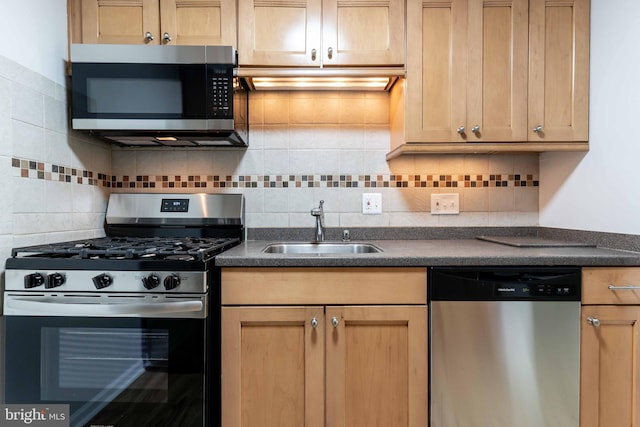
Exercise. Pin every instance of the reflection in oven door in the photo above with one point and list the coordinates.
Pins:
(111, 371)
(129, 365)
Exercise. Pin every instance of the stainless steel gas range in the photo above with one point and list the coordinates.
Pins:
(124, 329)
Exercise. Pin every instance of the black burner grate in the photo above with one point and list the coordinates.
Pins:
(181, 248)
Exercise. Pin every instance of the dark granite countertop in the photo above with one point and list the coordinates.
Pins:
(445, 252)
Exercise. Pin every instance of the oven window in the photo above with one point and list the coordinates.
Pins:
(111, 371)
(105, 364)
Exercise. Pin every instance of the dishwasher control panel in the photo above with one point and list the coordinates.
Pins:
(523, 290)
(504, 283)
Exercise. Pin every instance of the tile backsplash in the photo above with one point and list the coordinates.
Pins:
(303, 147)
(331, 146)
(45, 192)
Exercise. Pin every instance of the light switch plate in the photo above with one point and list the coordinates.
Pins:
(445, 204)
(371, 203)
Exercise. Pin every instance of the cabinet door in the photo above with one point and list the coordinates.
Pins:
(497, 73)
(610, 367)
(279, 32)
(199, 22)
(435, 90)
(376, 366)
(363, 32)
(120, 22)
(558, 70)
(272, 367)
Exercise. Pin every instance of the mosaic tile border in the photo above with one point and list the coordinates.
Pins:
(52, 172)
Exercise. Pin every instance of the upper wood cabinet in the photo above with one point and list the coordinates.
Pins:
(558, 70)
(483, 74)
(315, 33)
(182, 22)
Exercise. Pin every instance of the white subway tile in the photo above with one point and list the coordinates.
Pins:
(28, 140)
(57, 148)
(262, 220)
(55, 115)
(28, 195)
(359, 220)
(27, 105)
(275, 137)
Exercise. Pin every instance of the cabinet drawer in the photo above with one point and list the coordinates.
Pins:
(611, 285)
(345, 285)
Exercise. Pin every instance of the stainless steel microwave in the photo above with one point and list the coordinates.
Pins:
(138, 95)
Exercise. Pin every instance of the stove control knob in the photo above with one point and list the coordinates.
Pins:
(151, 281)
(54, 280)
(33, 280)
(102, 281)
(171, 282)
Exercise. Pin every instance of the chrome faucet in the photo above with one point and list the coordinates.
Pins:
(319, 214)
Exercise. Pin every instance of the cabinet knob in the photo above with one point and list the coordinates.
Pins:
(314, 323)
(461, 130)
(593, 321)
(330, 53)
(313, 54)
(166, 37)
(335, 322)
(148, 37)
(475, 129)
(538, 129)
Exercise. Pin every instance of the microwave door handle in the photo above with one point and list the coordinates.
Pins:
(18, 306)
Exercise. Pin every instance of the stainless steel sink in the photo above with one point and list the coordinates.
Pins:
(321, 248)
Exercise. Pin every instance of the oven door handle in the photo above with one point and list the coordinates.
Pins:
(17, 306)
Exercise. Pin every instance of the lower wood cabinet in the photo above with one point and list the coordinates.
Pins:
(610, 347)
(326, 365)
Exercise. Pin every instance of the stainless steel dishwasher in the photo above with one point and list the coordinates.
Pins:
(505, 347)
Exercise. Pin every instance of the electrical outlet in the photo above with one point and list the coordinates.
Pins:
(445, 204)
(371, 203)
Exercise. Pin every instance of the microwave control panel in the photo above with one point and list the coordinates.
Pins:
(221, 80)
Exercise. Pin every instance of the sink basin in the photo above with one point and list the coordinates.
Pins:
(321, 248)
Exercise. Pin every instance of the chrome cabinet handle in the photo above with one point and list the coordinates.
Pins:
(461, 130)
(314, 323)
(330, 53)
(166, 37)
(148, 37)
(313, 54)
(538, 129)
(593, 321)
(335, 322)
(623, 288)
(475, 129)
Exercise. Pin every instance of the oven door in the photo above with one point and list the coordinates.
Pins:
(115, 369)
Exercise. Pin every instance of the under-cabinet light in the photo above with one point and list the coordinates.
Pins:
(322, 83)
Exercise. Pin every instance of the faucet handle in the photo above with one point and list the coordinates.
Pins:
(318, 211)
